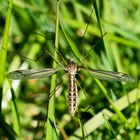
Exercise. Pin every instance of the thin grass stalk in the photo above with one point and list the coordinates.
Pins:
(105, 42)
(50, 131)
(3, 49)
(82, 129)
(3, 54)
(16, 116)
(109, 55)
(118, 112)
(109, 127)
(72, 46)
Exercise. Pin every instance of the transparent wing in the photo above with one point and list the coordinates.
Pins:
(32, 73)
(109, 75)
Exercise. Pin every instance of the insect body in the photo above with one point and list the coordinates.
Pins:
(72, 87)
(72, 68)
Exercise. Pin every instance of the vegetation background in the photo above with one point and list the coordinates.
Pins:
(99, 34)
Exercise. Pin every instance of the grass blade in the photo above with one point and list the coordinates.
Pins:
(51, 106)
(3, 49)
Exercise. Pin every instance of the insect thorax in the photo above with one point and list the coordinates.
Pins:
(72, 68)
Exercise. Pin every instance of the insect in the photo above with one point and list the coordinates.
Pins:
(71, 69)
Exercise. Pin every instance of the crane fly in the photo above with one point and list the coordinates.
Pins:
(71, 69)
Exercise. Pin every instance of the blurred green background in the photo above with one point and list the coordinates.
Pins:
(103, 35)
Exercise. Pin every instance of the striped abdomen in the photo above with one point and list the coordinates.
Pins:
(72, 94)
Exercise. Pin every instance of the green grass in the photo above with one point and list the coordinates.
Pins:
(50, 127)
(6, 128)
(106, 110)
